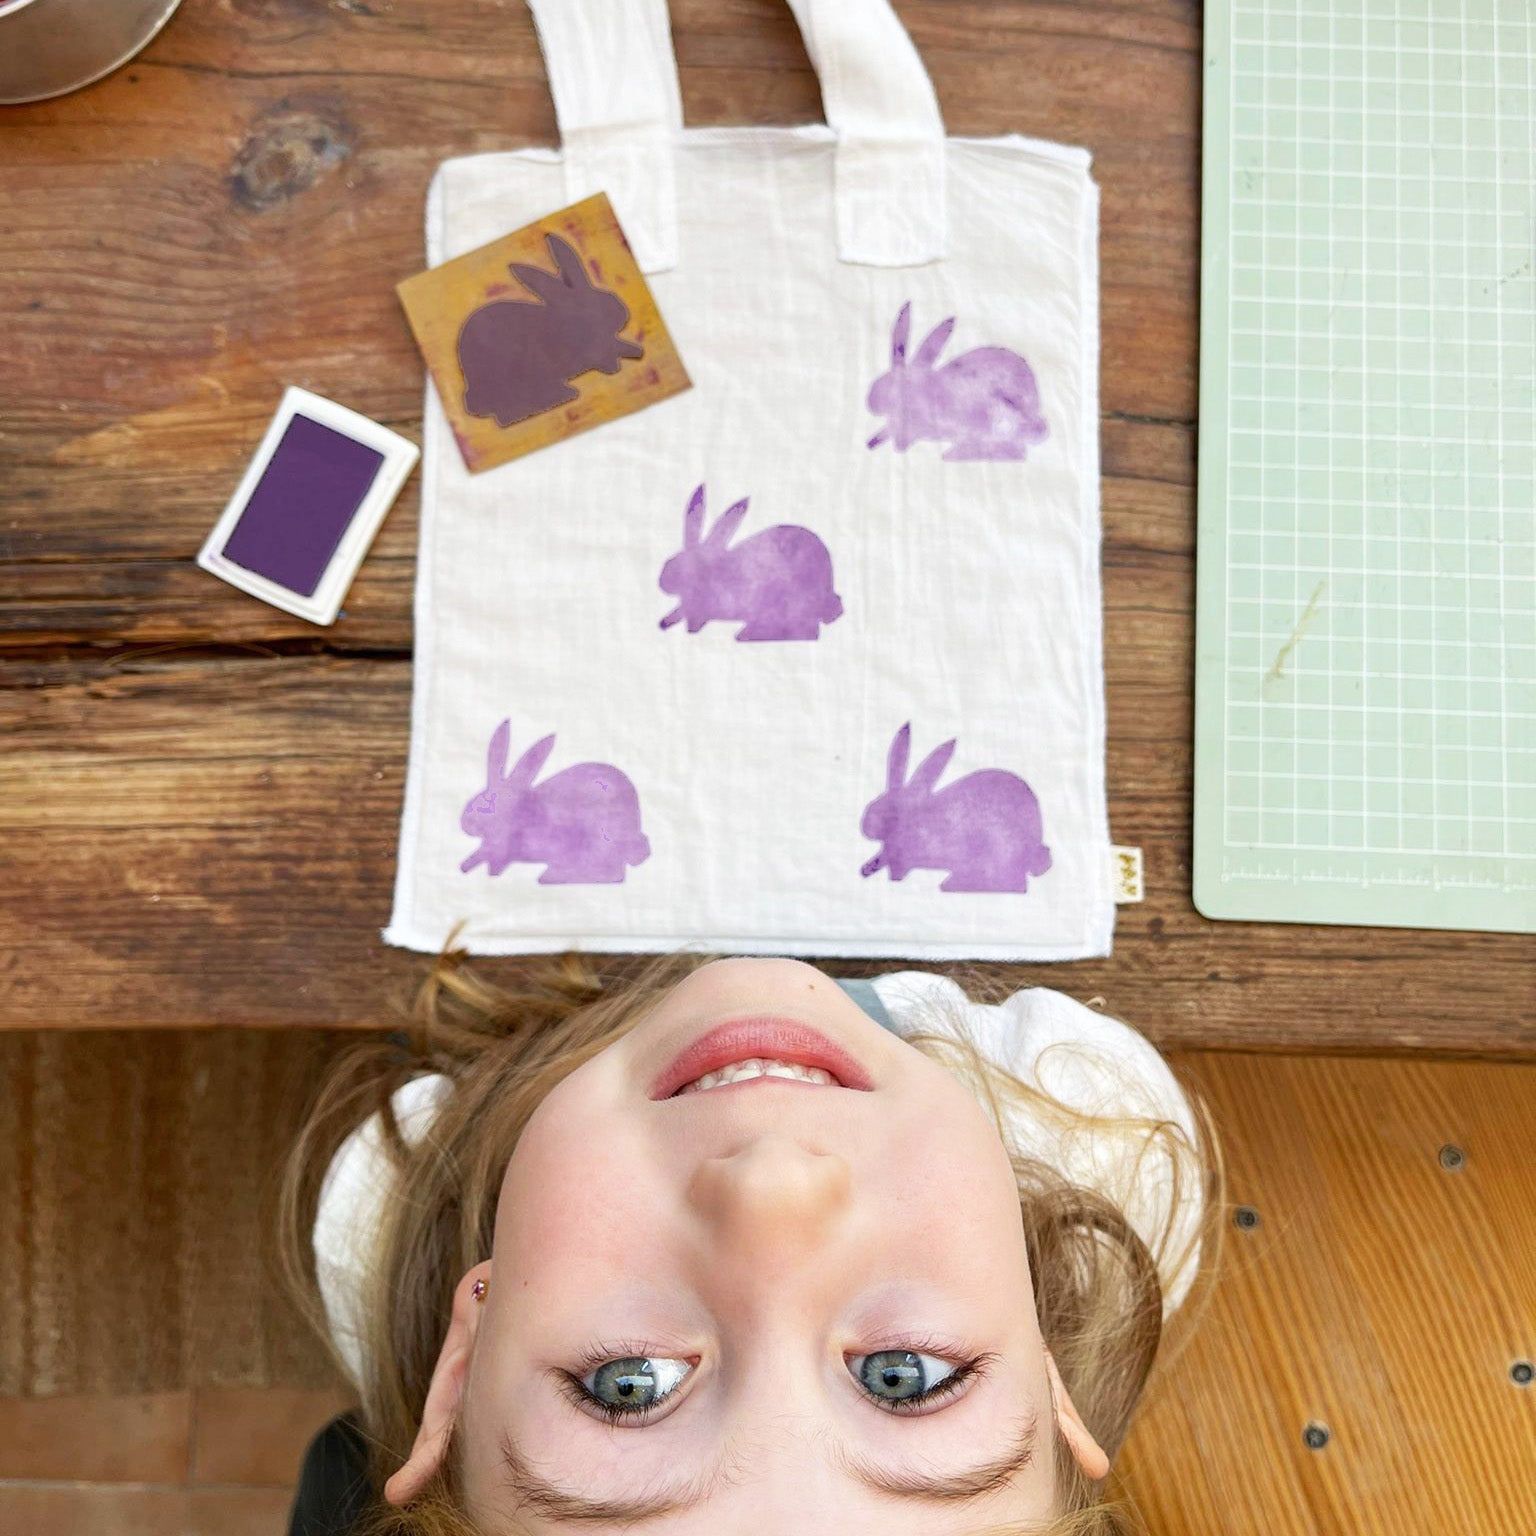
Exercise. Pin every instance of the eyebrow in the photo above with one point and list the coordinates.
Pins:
(561, 1505)
(987, 1478)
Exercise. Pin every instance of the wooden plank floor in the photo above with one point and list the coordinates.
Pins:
(199, 795)
(1383, 1299)
(218, 1461)
(155, 1384)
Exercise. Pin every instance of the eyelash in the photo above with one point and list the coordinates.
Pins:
(971, 1369)
(594, 1356)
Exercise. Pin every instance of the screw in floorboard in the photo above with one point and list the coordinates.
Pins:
(1522, 1373)
(1245, 1217)
(1452, 1158)
(1316, 1435)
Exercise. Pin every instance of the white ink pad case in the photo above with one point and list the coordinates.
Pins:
(308, 507)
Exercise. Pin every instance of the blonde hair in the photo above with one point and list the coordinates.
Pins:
(1096, 1285)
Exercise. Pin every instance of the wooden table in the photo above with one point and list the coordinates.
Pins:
(199, 796)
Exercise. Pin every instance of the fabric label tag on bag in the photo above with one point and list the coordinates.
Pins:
(1128, 882)
(544, 333)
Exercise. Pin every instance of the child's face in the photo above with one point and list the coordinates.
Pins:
(754, 1244)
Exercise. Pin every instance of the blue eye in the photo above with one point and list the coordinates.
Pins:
(630, 1386)
(901, 1379)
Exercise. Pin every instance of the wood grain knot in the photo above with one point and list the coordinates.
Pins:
(287, 152)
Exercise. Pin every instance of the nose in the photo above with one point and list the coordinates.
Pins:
(770, 1197)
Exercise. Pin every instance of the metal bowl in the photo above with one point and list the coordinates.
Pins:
(48, 47)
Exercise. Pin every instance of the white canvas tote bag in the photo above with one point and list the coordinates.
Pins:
(807, 659)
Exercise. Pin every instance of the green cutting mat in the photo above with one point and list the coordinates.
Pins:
(1366, 673)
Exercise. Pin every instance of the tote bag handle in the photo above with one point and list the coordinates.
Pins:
(614, 79)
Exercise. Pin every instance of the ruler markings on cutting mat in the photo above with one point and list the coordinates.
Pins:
(1365, 730)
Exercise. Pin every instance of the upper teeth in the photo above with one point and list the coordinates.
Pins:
(757, 1066)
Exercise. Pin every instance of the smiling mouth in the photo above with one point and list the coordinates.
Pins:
(760, 1050)
(756, 1069)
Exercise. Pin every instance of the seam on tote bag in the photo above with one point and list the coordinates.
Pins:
(646, 944)
(814, 133)
(1100, 934)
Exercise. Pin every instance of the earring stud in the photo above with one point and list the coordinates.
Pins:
(478, 1289)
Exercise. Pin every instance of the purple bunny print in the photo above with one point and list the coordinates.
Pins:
(582, 824)
(985, 403)
(984, 829)
(777, 585)
(517, 357)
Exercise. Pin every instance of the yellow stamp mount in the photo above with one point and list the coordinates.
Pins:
(544, 333)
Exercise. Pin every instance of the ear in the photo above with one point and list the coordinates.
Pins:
(896, 759)
(727, 523)
(569, 263)
(526, 769)
(928, 773)
(1090, 1455)
(496, 754)
(901, 333)
(928, 353)
(443, 1396)
(541, 284)
(693, 519)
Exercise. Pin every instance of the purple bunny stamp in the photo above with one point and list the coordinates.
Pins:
(984, 829)
(582, 824)
(984, 403)
(777, 585)
(518, 357)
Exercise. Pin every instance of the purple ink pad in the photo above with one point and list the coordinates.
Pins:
(306, 497)
(308, 506)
